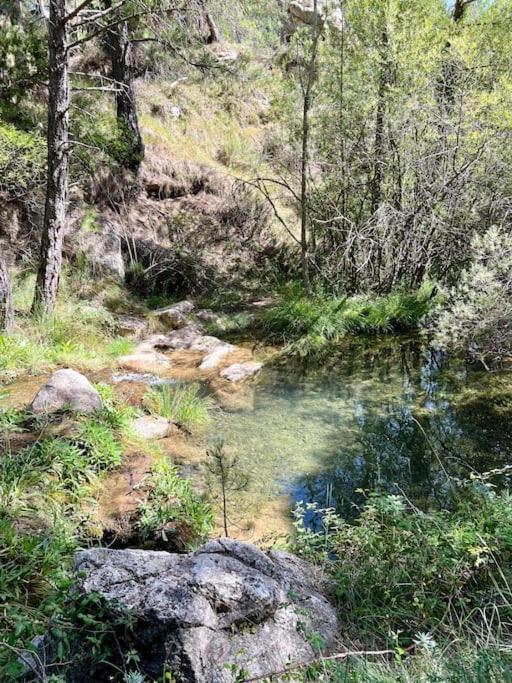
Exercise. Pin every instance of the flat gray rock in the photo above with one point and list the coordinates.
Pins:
(215, 357)
(240, 371)
(225, 608)
(175, 316)
(66, 390)
(151, 428)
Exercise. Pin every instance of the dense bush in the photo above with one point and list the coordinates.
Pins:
(400, 573)
(22, 161)
(477, 317)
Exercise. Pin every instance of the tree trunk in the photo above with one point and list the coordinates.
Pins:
(119, 48)
(6, 307)
(304, 218)
(50, 264)
(378, 164)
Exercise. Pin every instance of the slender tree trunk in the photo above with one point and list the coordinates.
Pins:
(50, 264)
(304, 219)
(378, 164)
(120, 50)
(6, 307)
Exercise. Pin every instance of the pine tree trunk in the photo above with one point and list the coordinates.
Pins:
(50, 264)
(6, 307)
(119, 47)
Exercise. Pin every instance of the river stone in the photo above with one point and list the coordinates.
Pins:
(148, 427)
(178, 340)
(175, 316)
(145, 361)
(132, 326)
(240, 371)
(215, 357)
(66, 390)
(224, 608)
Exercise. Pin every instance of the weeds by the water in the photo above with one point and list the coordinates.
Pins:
(308, 324)
(172, 513)
(435, 585)
(180, 404)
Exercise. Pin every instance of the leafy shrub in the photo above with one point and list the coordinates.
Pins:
(477, 316)
(23, 64)
(22, 161)
(400, 572)
(180, 404)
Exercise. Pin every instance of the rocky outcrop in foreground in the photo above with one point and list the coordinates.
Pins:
(211, 614)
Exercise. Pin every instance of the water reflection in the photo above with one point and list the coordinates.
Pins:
(392, 416)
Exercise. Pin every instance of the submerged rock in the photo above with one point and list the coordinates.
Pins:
(240, 371)
(208, 316)
(226, 608)
(148, 427)
(66, 390)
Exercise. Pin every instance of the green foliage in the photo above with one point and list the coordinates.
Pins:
(311, 324)
(478, 309)
(400, 572)
(46, 492)
(180, 404)
(226, 479)
(22, 161)
(172, 513)
(23, 65)
(80, 333)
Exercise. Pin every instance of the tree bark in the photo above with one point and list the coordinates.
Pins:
(6, 306)
(380, 122)
(119, 48)
(304, 219)
(50, 264)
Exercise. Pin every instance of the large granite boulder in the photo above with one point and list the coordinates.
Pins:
(211, 614)
(66, 390)
(175, 316)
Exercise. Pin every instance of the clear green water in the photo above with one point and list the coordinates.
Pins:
(393, 416)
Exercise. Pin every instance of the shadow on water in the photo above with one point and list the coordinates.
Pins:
(391, 415)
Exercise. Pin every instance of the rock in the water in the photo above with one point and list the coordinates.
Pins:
(178, 340)
(175, 316)
(215, 357)
(145, 361)
(239, 371)
(66, 390)
(132, 326)
(227, 607)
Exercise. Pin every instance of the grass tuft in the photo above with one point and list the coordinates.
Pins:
(180, 404)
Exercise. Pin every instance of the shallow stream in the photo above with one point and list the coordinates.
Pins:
(391, 415)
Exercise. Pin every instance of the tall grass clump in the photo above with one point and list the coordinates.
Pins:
(309, 323)
(180, 404)
(80, 333)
